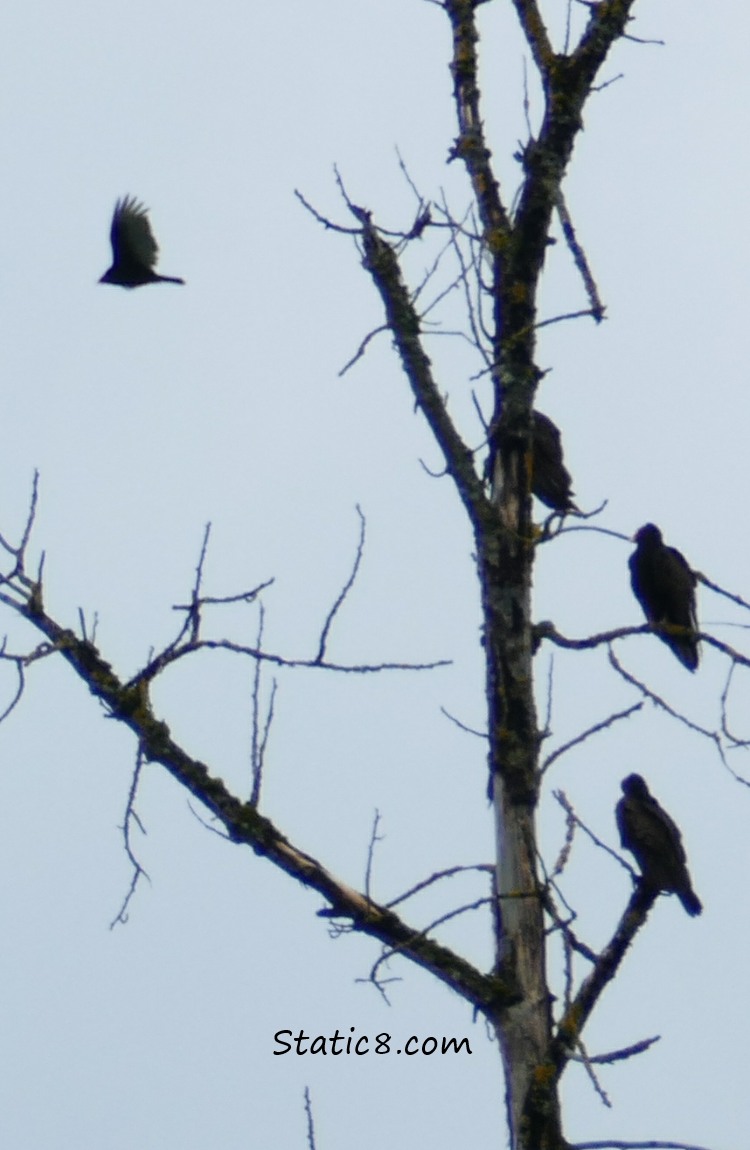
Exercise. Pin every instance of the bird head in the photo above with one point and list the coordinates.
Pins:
(634, 786)
(647, 534)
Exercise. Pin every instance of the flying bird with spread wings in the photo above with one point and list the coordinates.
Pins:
(647, 831)
(664, 585)
(134, 249)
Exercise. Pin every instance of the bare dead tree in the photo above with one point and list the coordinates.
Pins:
(498, 252)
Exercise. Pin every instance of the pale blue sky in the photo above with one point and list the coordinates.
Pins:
(150, 412)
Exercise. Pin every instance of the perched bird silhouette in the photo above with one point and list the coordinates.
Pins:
(664, 585)
(550, 479)
(134, 249)
(649, 833)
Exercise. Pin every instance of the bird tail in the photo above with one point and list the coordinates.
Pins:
(682, 642)
(686, 651)
(169, 280)
(690, 901)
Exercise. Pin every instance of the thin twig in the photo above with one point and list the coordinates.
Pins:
(462, 726)
(617, 1145)
(374, 839)
(131, 816)
(583, 1057)
(345, 589)
(18, 663)
(624, 1053)
(579, 258)
(310, 1123)
(565, 803)
(328, 224)
(260, 741)
(391, 951)
(594, 313)
(713, 736)
(581, 738)
(485, 868)
(720, 591)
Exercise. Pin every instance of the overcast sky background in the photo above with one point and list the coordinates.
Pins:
(150, 412)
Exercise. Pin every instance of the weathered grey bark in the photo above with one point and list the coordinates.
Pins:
(506, 554)
(533, 1055)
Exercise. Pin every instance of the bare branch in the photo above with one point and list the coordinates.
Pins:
(579, 258)
(310, 1123)
(736, 743)
(565, 803)
(571, 822)
(462, 726)
(547, 630)
(345, 589)
(382, 263)
(571, 939)
(391, 951)
(567, 82)
(720, 590)
(485, 868)
(537, 37)
(608, 83)
(596, 314)
(374, 839)
(583, 1057)
(641, 40)
(422, 203)
(129, 703)
(226, 600)
(283, 661)
(20, 662)
(574, 1020)
(359, 353)
(21, 551)
(602, 726)
(471, 146)
(471, 310)
(260, 740)
(190, 629)
(195, 599)
(713, 736)
(625, 1052)
(610, 1145)
(328, 224)
(131, 816)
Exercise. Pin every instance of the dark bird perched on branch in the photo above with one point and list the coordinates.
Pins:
(664, 585)
(648, 832)
(550, 479)
(134, 249)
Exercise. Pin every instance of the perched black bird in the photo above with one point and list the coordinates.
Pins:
(134, 249)
(648, 832)
(550, 479)
(664, 585)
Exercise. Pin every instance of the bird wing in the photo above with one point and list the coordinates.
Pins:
(131, 236)
(636, 582)
(653, 837)
(550, 479)
(664, 584)
(662, 830)
(683, 581)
